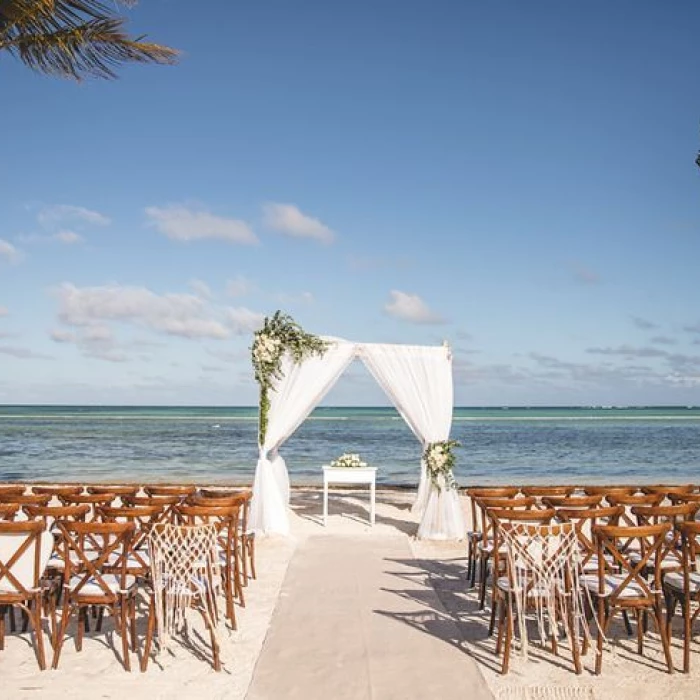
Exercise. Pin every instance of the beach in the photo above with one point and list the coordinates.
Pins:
(428, 584)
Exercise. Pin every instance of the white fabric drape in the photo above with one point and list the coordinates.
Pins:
(292, 397)
(418, 380)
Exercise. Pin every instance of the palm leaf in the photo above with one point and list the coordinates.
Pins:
(73, 38)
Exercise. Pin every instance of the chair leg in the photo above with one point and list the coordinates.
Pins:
(82, 623)
(150, 629)
(509, 637)
(482, 582)
(664, 637)
(3, 611)
(640, 631)
(123, 624)
(132, 623)
(687, 629)
(251, 554)
(60, 637)
(573, 636)
(599, 640)
(38, 633)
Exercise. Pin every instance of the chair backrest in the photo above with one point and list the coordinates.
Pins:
(117, 489)
(679, 498)
(610, 490)
(572, 501)
(25, 549)
(666, 489)
(541, 491)
(58, 489)
(143, 518)
(12, 489)
(514, 503)
(690, 547)
(93, 500)
(185, 569)
(629, 502)
(169, 490)
(35, 499)
(8, 511)
(487, 492)
(224, 517)
(675, 515)
(584, 520)
(614, 541)
(49, 514)
(110, 543)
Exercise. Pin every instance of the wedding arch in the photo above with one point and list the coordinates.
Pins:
(295, 370)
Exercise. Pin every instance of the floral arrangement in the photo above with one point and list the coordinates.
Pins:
(348, 460)
(440, 461)
(279, 334)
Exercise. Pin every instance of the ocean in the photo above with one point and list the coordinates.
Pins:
(218, 445)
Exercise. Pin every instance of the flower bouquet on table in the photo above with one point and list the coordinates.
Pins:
(348, 461)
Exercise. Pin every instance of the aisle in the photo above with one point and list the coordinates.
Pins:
(354, 622)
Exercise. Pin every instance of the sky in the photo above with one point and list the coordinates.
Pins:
(515, 178)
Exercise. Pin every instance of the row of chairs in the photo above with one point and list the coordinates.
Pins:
(91, 550)
(632, 553)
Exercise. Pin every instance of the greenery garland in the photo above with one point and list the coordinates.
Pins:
(279, 334)
(440, 461)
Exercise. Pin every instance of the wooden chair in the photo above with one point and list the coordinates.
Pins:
(684, 587)
(671, 555)
(475, 535)
(25, 548)
(629, 590)
(86, 583)
(165, 503)
(247, 537)
(498, 516)
(570, 502)
(680, 498)
(226, 520)
(628, 502)
(540, 573)
(119, 490)
(8, 511)
(485, 548)
(94, 500)
(186, 575)
(58, 490)
(143, 518)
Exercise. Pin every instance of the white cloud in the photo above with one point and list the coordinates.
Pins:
(67, 237)
(4, 311)
(9, 252)
(23, 353)
(289, 220)
(243, 320)
(238, 287)
(411, 308)
(182, 224)
(303, 298)
(183, 315)
(58, 335)
(201, 289)
(68, 212)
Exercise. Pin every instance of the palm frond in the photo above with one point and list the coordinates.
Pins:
(73, 38)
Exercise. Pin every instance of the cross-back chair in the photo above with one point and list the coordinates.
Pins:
(665, 490)
(23, 499)
(58, 489)
(186, 575)
(100, 580)
(485, 547)
(8, 511)
(247, 537)
(540, 492)
(540, 574)
(226, 520)
(165, 503)
(94, 500)
(474, 535)
(25, 548)
(583, 502)
(170, 490)
(629, 590)
(684, 586)
(12, 489)
(612, 490)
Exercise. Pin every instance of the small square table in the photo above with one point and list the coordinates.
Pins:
(349, 475)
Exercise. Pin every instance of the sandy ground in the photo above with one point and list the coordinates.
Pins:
(185, 672)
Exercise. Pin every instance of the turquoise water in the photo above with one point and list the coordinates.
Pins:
(499, 445)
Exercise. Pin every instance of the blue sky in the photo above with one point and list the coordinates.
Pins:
(516, 178)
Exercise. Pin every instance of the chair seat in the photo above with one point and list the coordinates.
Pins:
(668, 562)
(56, 560)
(591, 566)
(611, 584)
(487, 547)
(539, 591)
(674, 580)
(93, 588)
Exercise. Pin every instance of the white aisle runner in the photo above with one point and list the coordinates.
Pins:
(355, 622)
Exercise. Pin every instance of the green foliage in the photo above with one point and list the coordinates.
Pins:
(439, 462)
(73, 38)
(279, 334)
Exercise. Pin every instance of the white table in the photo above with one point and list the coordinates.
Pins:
(349, 475)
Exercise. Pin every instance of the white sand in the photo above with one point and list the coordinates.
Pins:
(97, 673)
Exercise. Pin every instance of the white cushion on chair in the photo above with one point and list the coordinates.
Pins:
(668, 562)
(23, 568)
(612, 583)
(93, 588)
(674, 580)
